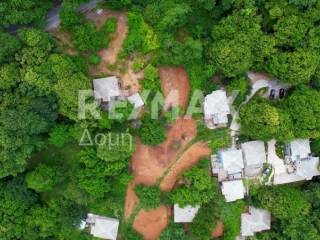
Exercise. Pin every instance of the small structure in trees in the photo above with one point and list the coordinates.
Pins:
(106, 89)
(103, 227)
(136, 100)
(185, 214)
(254, 154)
(233, 190)
(256, 220)
(216, 109)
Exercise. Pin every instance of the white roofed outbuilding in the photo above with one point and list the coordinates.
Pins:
(106, 89)
(103, 227)
(233, 190)
(216, 108)
(256, 220)
(136, 100)
(185, 214)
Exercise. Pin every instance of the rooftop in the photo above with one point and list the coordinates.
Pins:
(300, 148)
(103, 227)
(256, 220)
(232, 160)
(216, 107)
(254, 153)
(136, 100)
(186, 214)
(233, 190)
(106, 88)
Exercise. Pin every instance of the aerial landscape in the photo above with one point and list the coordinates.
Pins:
(159, 119)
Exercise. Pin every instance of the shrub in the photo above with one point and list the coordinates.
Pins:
(152, 131)
(59, 136)
(44, 178)
(149, 197)
(94, 59)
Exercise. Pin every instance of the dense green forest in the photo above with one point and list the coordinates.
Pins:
(48, 182)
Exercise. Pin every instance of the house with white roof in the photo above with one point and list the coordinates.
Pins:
(254, 153)
(216, 109)
(233, 190)
(106, 89)
(103, 227)
(256, 220)
(185, 214)
(136, 100)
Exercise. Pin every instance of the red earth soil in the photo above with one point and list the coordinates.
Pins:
(151, 223)
(218, 231)
(150, 163)
(175, 78)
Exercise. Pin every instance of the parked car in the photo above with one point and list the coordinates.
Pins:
(282, 93)
(272, 94)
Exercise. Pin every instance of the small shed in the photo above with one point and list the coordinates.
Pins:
(233, 190)
(185, 214)
(106, 89)
(256, 220)
(136, 100)
(103, 227)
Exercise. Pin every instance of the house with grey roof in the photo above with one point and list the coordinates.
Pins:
(184, 214)
(216, 109)
(103, 227)
(254, 154)
(233, 190)
(106, 89)
(255, 220)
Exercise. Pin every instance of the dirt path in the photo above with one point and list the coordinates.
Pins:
(189, 158)
(175, 79)
(150, 224)
(109, 55)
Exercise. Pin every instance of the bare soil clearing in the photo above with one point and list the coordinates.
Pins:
(150, 224)
(175, 78)
(150, 163)
(131, 80)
